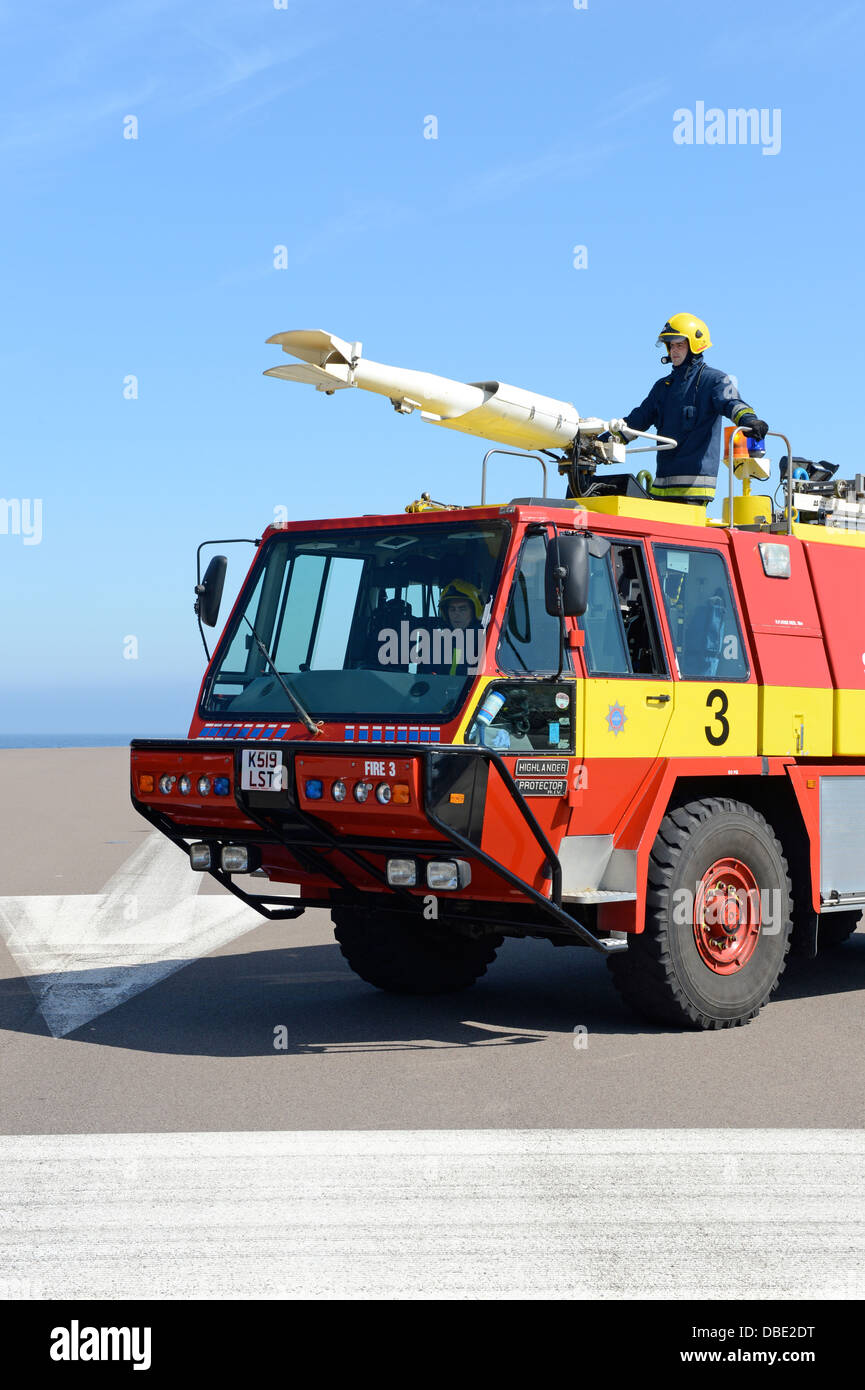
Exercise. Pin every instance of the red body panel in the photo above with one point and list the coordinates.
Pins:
(781, 616)
(838, 574)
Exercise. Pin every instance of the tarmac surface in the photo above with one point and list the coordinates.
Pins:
(267, 1029)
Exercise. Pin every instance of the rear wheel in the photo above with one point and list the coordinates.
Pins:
(405, 955)
(718, 919)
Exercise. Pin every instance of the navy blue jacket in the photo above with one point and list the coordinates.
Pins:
(687, 406)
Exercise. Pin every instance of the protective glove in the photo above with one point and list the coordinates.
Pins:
(620, 432)
(757, 429)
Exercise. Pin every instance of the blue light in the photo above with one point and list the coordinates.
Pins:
(314, 788)
(221, 786)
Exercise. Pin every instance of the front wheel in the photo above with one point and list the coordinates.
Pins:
(407, 955)
(718, 919)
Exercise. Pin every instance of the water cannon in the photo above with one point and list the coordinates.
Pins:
(486, 409)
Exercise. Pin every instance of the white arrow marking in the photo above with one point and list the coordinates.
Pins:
(85, 954)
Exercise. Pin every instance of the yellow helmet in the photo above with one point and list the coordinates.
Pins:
(460, 588)
(686, 326)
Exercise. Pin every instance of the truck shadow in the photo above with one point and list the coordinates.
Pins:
(305, 1001)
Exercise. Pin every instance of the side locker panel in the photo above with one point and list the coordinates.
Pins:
(838, 573)
(842, 838)
(796, 698)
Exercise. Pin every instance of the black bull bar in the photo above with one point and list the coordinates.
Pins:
(310, 840)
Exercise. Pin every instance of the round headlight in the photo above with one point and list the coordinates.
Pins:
(184, 786)
(166, 783)
(383, 793)
(337, 791)
(362, 790)
(203, 786)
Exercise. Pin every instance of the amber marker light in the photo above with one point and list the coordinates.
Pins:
(146, 782)
(400, 794)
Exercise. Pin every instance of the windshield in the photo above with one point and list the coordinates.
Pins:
(379, 621)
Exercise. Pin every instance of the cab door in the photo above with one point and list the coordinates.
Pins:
(527, 713)
(716, 690)
(629, 693)
(537, 728)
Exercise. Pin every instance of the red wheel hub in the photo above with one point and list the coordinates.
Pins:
(727, 916)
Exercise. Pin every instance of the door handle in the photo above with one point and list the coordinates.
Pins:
(657, 699)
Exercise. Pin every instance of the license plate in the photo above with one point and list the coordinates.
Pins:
(262, 770)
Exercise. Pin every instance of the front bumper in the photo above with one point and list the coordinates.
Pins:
(454, 786)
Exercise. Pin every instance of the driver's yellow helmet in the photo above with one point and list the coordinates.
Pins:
(461, 588)
(686, 326)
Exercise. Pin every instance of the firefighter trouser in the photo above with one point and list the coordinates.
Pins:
(688, 501)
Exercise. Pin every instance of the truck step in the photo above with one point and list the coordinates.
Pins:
(599, 895)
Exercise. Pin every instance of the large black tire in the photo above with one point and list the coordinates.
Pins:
(665, 975)
(407, 955)
(835, 927)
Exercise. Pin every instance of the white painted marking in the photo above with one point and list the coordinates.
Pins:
(84, 954)
(491, 1214)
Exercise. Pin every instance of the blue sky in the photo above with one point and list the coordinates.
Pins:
(303, 126)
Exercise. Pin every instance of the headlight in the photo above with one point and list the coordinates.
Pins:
(184, 786)
(338, 791)
(199, 856)
(203, 786)
(166, 783)
(448, 874)
(383, 793)
(362, 790)
(401, 873)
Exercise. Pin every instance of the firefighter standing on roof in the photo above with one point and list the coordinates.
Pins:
(687, 406)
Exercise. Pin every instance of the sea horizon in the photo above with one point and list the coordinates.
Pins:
(76, 740)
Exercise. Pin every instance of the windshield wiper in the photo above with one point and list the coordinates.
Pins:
(312, 726)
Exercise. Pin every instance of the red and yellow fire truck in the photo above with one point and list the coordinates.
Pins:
(645, 735)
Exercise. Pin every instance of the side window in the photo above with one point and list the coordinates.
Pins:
(620, 624)
(530, 637)
(702, 613)
(237, 661)
(528, 717)
(605, 649)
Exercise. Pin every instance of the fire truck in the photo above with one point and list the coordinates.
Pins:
(648, 740)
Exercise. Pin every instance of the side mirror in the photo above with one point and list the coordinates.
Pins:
(567, 572)
(209, 591)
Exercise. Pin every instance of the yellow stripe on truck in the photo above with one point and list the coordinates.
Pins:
(849, 711)
(627, 717)
(795, 720)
